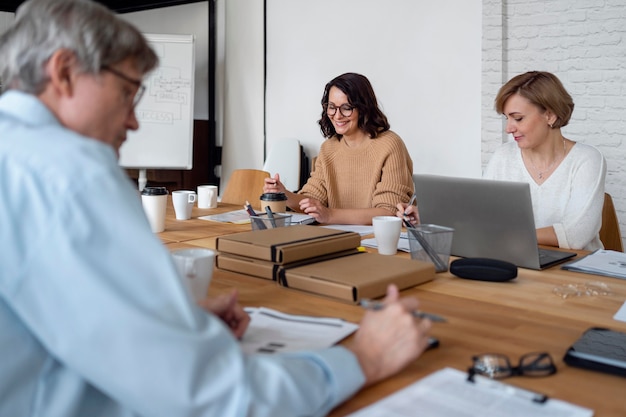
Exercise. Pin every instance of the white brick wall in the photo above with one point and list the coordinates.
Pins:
(583, 42)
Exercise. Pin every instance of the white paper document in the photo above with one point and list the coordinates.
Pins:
(621, 313)
(272, 331)
(242, 217)
(237, 217)
(301, 218)
(601, 262)
(403, 243)
(447, 393)
(360, 229)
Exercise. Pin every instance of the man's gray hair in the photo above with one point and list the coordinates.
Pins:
(96, 36)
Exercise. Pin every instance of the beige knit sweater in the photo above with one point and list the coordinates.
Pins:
(377, 174)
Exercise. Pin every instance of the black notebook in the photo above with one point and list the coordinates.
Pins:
(599, 349)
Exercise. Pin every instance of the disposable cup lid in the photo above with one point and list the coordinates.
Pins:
(154, 191)
(273, 197)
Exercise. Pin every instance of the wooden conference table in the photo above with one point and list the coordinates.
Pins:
(512, 318)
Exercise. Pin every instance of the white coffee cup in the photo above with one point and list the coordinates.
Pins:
(195, 267)
(207, 196)
(154, 202)
(183, 201)
(387, 233)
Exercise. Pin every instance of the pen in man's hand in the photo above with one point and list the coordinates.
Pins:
(376, 305)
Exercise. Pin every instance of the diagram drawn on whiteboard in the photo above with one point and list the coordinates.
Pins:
(165, 114)
(169, 94)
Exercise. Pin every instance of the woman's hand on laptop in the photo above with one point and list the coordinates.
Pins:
(409, 212)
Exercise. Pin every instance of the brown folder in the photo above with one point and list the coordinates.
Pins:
(266, 269)
(350, 278)
(283, 245)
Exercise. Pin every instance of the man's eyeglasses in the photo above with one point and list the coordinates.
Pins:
(497, 366)
(344, 109)
(140, 87)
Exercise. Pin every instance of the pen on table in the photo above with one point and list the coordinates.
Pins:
(376, 305)
(270, 216)
(251, 212)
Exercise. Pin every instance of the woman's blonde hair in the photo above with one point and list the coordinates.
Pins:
(542, 89)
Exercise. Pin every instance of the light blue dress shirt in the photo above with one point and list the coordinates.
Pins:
(94, 320)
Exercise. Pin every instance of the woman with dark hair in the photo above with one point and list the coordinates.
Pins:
(566, 177)
(363, 169)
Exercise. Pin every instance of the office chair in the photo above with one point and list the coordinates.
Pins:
(313, 161)
(610, 234)
(285, 158)
(245, 185)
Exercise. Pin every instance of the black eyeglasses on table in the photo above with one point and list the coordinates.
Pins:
(498, 366)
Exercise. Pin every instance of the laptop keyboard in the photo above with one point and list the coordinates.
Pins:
(549, 256)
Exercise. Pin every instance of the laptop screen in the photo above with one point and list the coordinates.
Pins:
(491, 219)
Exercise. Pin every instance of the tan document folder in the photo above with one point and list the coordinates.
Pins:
(266, 269)
(284, 245)
(350, 278)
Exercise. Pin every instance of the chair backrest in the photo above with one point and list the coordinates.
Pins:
(610, 234)
(245, 185)
(313, 161)
(285, 158)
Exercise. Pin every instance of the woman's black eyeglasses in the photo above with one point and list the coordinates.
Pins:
(344, 109)
(497, 366)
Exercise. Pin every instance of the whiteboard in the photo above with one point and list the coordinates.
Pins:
(422, 57)
(165, 113)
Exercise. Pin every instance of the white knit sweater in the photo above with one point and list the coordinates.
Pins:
(570, 200)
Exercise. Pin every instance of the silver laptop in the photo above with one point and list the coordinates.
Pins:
(491, 219)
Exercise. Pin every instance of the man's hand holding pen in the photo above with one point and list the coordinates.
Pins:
(390, 337)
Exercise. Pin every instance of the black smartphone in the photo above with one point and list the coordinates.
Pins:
(599, 349)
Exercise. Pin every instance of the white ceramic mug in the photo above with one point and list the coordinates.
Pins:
(195, 267)
(183, 201)
(387, 233)
(154, 202)
(207, 196)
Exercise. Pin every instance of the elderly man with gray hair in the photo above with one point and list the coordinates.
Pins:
(94, 319)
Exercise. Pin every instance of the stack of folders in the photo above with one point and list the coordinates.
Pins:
(318, 260)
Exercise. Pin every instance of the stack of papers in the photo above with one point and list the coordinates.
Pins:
(237, 217)
(448, 393)
(242, 217)
(609, 263)
(271, 331)
(403, 243)
(301, 218)
(362, 230)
